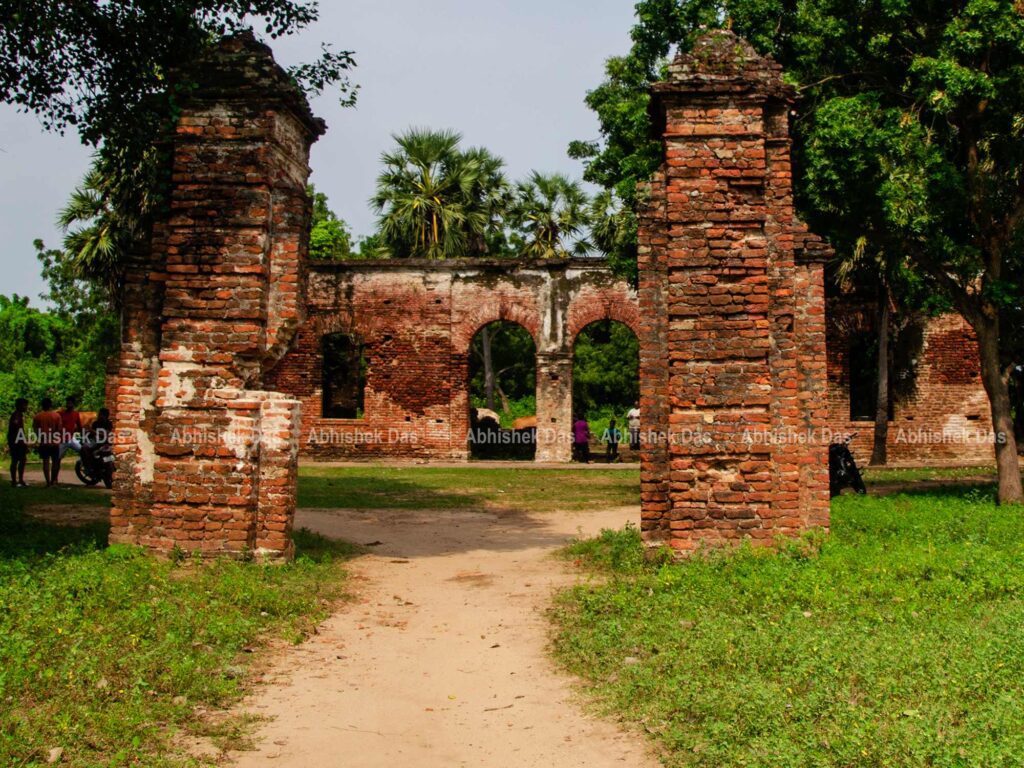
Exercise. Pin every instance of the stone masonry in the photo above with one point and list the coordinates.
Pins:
(415, 321)
(733, 379)
(206, 456)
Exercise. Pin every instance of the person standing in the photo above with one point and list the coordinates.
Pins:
(47, 427)
(71, 430)
(581, 439)
(611, 437)
(633, 423)
(17, 443)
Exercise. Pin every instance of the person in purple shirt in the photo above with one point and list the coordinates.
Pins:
(581, 439)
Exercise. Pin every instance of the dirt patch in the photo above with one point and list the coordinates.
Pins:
(72, 515)
(441, 660)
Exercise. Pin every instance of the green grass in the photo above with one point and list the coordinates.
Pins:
(523, 489)
(916, 474)
(106, 652)
(897, 641)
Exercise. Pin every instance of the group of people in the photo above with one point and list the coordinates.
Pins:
(53, 433)
(612, 436)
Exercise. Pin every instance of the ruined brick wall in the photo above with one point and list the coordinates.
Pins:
(732, 303)
(940, 412)
(416, 321)
(207, 456)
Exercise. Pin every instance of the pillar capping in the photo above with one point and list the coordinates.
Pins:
(723, 62)
(240, 70)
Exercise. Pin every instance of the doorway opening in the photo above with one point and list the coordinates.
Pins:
(503, 393)
(606, 392)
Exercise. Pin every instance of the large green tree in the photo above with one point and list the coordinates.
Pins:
(115, 72)
(910, 135)
(61, 351)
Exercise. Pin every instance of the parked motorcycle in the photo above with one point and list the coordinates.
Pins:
(95, 463)
(842, 468)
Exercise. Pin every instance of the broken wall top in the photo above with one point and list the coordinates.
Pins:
(723, 63)
(240, 69)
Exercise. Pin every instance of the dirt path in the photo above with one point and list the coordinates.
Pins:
(441, 660)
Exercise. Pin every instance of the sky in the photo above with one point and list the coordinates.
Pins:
(510, 75)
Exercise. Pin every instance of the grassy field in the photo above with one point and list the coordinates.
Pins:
(895, 642)
(522, 488)
(917, 474)
(106, 653)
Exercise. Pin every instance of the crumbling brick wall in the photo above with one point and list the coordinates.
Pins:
(732, 305)
(207, 456)
(416, 321)
(940, 413)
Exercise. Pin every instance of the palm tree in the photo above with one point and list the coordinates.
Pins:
(106, 217)
(613, 233)
(491, 196)
(550, 216)
(436, 201)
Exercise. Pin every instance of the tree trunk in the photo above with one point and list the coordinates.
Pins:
(485, 342)
(506, 406)
(997, 386)
(879, 451)
(1017, 400)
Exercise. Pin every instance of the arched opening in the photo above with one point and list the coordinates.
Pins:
(502, 392)
(344, 376)
(606, 393)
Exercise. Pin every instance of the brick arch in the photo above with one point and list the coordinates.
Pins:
(608, 306)
(510, 312)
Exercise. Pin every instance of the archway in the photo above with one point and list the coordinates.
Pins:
(502, 392)
(606, 390)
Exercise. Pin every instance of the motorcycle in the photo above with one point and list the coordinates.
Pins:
(95, 463)
(842, 468)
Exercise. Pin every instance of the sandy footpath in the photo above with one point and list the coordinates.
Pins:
(441, 659)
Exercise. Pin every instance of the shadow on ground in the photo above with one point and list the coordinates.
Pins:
(415, 533)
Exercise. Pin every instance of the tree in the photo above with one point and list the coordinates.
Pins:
(58, 353)
(436, 201)
(613, 232)
(116, 73)
(502, 365)
(105, 218)
(329, 237)
(606, 374)
(550, 216)
(921, 99)
(492, 196)
(372, 247)
(885, 278)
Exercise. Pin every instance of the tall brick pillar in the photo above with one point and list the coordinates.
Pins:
(732, 312)
(207, 459)
(554, 406)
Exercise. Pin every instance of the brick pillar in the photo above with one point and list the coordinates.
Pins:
(732, 307)
(207, 459)
(554, 406)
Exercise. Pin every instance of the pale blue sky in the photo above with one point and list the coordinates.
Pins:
(510, 76)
